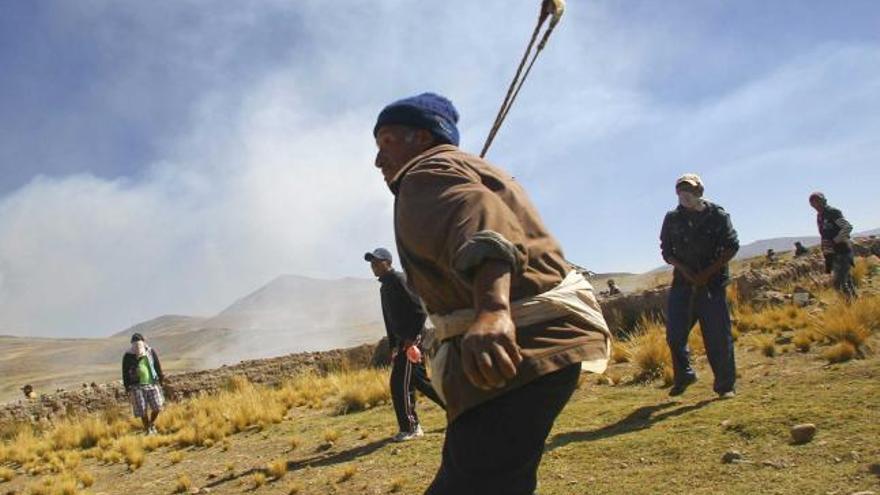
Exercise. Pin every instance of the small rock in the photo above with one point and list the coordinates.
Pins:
(866, 492)
(803, 433)
(731, 456)
(783, 340)
(395, 451)
(774, 464)
(837, 460)
(726, 424)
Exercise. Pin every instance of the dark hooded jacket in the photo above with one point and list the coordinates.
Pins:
(401, 310)
(130, 365)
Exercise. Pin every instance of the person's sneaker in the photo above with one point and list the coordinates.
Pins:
(730, 394)
(679, 388)
(405, 436)
(152, 431)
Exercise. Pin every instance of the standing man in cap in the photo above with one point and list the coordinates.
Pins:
(698, 239)
(142, 377)
(835, 232)
(404, 322)
(514, 322)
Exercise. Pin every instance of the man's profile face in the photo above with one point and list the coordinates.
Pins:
(397, 146)
(816, 203)
(380, 267)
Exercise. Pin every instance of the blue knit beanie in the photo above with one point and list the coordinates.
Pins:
(428, 111)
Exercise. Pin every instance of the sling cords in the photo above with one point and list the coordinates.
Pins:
(549, 8)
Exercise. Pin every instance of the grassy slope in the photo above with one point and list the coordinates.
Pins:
(610, 439)
(626, 439)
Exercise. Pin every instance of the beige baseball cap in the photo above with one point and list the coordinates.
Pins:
(692, 179)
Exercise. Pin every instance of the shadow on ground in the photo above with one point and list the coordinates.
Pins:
(320, 460)
(640, 419)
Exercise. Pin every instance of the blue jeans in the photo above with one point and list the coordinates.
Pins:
(709, 307)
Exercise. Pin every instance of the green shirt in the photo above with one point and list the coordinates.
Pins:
(144, 375)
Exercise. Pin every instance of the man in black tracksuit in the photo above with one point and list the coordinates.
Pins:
(404, 322)
(837, 248)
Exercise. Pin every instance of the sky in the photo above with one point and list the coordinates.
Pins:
(170, 157)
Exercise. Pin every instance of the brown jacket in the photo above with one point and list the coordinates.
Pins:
(453, 211)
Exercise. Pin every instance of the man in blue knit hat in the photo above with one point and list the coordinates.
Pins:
(515, 324)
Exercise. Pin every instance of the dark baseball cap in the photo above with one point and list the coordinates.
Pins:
(378, 254)
(136, 337)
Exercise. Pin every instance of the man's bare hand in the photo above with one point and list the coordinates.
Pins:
(490, 355)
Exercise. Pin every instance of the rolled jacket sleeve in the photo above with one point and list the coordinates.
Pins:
(477, 224)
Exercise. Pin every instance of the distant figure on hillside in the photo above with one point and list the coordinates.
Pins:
(698, 239)
(28, 391)
(404, 323)
(142, 377)
(476, 251)
(836, 244)
(771, 256)
(800, 250)
(613, 290)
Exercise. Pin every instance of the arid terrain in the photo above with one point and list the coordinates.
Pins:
(325, 428)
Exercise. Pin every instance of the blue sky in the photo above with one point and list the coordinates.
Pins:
(171, 156)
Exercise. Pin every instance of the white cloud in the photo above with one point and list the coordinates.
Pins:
(83, 255)
(272, 170)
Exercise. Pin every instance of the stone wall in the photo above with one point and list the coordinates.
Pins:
(93, 397)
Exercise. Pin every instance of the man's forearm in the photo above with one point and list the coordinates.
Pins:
(492, 287)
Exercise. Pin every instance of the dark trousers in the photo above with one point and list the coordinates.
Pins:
(496, 447)
(841, 269)
(709, 307)
(406, 378)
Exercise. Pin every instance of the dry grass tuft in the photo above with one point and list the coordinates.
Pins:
(840, 352)
(863, 269)
(175, 457)
(277, 469)
(361, 389)
(649, 352)
(330, 435)
(294, 489)
(86, 478)
(764, 343)
(850, 323)
(258, 480)
(293, 442)
(803, 340)
(65, 484)
(619, 352)
(237, 383)
(347, 473)
(396, 485)
(6, 474)
(773, 319)
(184, 484)
(132, 451)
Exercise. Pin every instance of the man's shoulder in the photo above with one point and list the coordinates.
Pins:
(673, 215)
(832, 212)
(716, 210)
